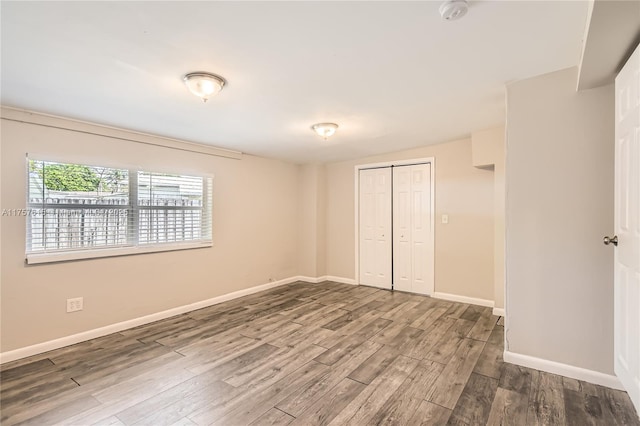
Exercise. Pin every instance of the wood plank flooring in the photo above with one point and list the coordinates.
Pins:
(303, 354)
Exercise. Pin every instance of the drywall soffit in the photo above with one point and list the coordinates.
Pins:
(612, 32)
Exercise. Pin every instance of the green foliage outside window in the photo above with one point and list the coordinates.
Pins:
(78, 177)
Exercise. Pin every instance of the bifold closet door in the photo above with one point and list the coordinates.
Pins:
(375, 227)
(412, 233)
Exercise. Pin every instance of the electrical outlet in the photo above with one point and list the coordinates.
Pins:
(75, 304)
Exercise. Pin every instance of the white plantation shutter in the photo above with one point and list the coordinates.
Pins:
(76, 208)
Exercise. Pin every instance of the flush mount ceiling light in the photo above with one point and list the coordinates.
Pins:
(325, 130)
(451, 10)
(204, 84)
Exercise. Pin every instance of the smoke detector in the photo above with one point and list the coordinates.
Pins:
(451, 10)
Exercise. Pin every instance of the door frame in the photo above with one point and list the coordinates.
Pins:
(394, 163)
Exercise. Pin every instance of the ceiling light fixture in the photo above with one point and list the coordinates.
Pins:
(451, 10)
(325, 130)
(204, 84)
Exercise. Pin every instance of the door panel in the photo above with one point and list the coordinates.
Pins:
(402, 273)
(413, 255)
(375, 227)
(367, 228)
(627, 228)
(422, 233)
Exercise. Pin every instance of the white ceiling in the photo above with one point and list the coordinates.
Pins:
(393, 75)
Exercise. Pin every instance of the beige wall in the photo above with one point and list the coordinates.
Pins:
(311, 235)
(321, 223)
(255, 213)
(488, 148)
(559, 204)
(272, 220)
(499, 225)
(462, 191)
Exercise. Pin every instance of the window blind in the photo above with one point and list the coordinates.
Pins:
(172, 208)
(77, 207)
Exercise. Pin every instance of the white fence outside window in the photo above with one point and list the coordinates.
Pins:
(78, 207)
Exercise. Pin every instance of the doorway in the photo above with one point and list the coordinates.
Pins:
(395, 225)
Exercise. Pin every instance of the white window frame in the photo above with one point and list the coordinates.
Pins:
(133, 246)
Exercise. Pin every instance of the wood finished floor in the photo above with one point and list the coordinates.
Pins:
(304, 354)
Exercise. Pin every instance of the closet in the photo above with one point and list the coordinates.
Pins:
(395, 238)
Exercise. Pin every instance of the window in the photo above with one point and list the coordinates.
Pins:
(79, 211)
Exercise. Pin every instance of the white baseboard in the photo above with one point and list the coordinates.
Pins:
(114, 328)
(339, 280)
(499, 312)
(326, 278)
(567, 370)
(311, 280)
(463, 299)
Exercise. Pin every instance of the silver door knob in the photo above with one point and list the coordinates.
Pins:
(613, 240)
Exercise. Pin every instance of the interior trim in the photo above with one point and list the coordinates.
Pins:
(499, 312)
(463, 299)
(566, 370)
(57, 122)
(61, 342)
(324, 278)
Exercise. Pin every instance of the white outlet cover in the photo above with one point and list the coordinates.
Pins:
(75, 304)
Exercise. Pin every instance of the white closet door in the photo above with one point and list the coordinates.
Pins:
(402, 259)
(412, 248)
(375, 227)
(627, 226)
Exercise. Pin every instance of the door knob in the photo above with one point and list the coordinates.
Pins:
(613, 240)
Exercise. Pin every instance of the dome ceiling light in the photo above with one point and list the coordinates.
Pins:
(204, 84)
(325, 130)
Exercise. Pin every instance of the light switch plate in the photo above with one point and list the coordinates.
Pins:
(445, 218)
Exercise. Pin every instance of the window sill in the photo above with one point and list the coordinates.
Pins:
(65, 256)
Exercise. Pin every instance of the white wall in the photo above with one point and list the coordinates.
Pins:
(463, 247)
(255, 213)
(559, 204)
